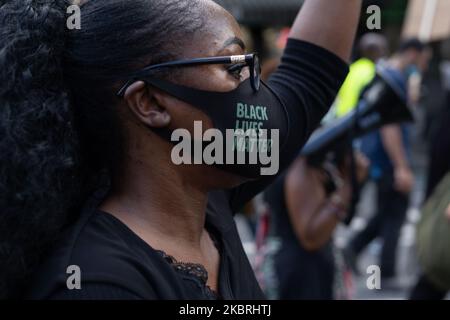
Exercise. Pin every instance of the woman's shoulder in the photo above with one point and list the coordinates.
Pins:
(96, 252)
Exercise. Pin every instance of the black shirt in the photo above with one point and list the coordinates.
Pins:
(116, 264)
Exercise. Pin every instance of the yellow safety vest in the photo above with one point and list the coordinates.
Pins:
(361, 74)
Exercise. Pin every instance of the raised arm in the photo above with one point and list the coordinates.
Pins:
(312, 215)
(329, 24)
(313, 68)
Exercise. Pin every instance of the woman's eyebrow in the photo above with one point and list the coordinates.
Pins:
(233, 40)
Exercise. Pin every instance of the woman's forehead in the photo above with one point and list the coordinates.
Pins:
(220, 25)
(214, 38)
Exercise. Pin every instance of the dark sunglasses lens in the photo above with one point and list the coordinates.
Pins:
(256, 73)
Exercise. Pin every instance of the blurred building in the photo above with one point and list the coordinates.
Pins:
(428, 20)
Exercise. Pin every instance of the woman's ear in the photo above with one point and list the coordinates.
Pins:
(147, 104)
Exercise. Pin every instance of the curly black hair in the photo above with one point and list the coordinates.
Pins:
(59, 127)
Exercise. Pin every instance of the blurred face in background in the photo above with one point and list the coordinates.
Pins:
(373, 46)
(424, 59)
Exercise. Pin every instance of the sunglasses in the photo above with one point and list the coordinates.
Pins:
(236, 63)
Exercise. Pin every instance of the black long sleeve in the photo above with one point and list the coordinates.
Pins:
(307, 82)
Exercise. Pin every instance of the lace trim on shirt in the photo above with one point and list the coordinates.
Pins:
(193, 269)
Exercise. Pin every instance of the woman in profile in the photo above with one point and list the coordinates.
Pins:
(92, 205)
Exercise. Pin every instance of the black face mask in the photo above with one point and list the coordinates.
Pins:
(242, 108)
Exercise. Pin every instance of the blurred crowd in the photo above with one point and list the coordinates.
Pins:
(334, 226)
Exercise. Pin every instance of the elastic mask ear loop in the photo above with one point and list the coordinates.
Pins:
(189, 95)
(193, 96)
(202, 99)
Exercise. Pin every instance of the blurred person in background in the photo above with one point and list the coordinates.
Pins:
(371, 47)
(440, 143)
(304, 214)
(389, 153)
(427, 287)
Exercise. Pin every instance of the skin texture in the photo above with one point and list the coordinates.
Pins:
(392, 140)
(373, 46)
(312, 216)
(329, 24)
(391, 135)
(165, 204)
